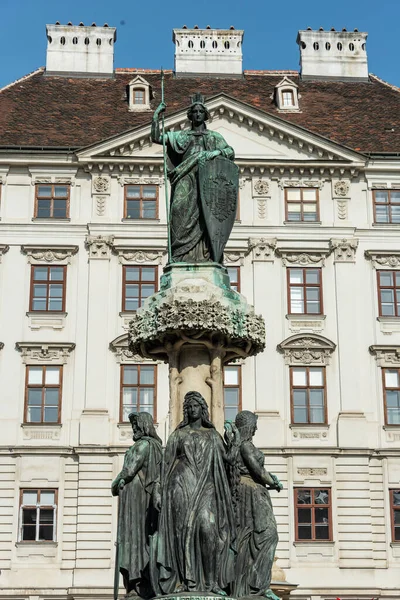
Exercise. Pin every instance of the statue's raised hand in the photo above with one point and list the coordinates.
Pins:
(160, 109)
(278, 486)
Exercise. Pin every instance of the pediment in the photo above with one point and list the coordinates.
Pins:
(252, 133)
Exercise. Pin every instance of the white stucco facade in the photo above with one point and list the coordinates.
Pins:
(354, 454)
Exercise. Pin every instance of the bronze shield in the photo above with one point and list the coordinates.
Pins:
(219, 184)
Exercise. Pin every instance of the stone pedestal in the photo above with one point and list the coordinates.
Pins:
(197, 324)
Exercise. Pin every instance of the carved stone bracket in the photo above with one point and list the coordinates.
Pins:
(262, 249)
(303, 257)
(344, 250)
(298, 183)
(383, 259)
(101, 184)
(129, 255)
(99, 246)
(3, 249)
(45, 352)
(309, 349)
(39, 254)
(386, 356)
(122, 353)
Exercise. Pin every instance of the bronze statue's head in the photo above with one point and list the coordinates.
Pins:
(197, 112)
(246, 422)
(142, 425)
(197, 398)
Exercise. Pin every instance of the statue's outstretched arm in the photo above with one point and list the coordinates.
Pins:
(258, 472)
(133, 462)
(156, 135)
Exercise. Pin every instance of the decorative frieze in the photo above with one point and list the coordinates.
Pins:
(386, 355)
(384, 259)
(140, 180)
(303, 257)
(310, 472)
(262, 249)
(48, 254)
(129, 255)
(41, 353)
(3, 249)
(42, 432)
(298, 183)
(99, 246)
(234, 257)
(344, 250)
(309, 349)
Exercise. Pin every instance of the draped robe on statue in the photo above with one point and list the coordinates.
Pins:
(189, 237)
(196, 505)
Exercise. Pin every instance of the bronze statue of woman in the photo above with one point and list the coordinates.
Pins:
(257, 535)
(137, 516)
(203, 201)
(193, 545)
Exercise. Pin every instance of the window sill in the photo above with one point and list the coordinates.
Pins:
(306, 323)
(302, 223)
(46, 320)
(389, 324)
(41, 431)
(386, 225)
(314, 543)
(50, 220)
(33, 543)
(306, 432)
(313, 425)
(150, 221)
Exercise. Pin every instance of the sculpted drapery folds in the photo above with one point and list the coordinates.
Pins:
(193, 548)
(203, 201)
(135, 486)
(257, 535)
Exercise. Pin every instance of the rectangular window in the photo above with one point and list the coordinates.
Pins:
(302, 205)
(138, 283)
(288, 98)
(43, 394)
(313, 514)
(141, 202)
(48, 289)
(389, 293)
(234, 278)
(52, 201)
(304, 291)
(308, 395)
(395, 510)
(386, 206)
(138, 390)
(232, 391)
(139, 97)
(37, 515)
(391, 395)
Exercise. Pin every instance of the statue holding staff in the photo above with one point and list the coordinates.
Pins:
(204, 187)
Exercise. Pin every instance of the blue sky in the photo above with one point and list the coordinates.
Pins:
(144, 29)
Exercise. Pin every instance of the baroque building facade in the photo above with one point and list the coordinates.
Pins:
(314, 248)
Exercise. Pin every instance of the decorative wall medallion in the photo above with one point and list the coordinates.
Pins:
(43, 353)
(262, 248)
(260, 187)
(344, 250)
(99, 246)
(49, 254)
(309, 349)
(101, 184)
(341, 188)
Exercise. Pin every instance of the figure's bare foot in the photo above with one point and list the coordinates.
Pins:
(270, 595)
(217, 590)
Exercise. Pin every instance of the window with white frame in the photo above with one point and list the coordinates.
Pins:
(38, 510)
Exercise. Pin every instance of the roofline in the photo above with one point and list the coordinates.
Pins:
(22, 79)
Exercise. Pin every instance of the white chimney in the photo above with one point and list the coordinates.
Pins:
(76, 50)
(208, 51)
(333, 54)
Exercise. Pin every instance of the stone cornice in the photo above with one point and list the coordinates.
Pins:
(48, 253)
(383, 259)
(306, 349)
(386, 355)
(45, 352)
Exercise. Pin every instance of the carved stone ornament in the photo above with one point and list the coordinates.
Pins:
(344, 250)
(342, 206)
(261, 208)
(43, 353)
(3, 249)
(100, 205)
(101, 184)
(311, 472)
(123, 180)
(1, 345)
(298, 183)
(49, 254)
(60, 180)
(387, 259)
(260, 187)
(99, 246)
(234, 257)
(341, 188)
(128, 255)
(386, 356)
(303, 258)
(262, 248)
(309, 349)
(122, 353)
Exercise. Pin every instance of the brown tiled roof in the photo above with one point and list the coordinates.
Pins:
(50, 111)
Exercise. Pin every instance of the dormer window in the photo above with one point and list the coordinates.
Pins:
(139, 94)
(286, 95)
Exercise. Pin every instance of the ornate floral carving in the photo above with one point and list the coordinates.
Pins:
(48, 254)
(302, 258)
(260, 187)
(389, 258)
(101, 184)
(261, 208)
(341, 188)
(134, 255)
(344, 250)
(99, 246)
(306, 349)
(342, 209)
(43, 353)
(262, 248)
(100, 205)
